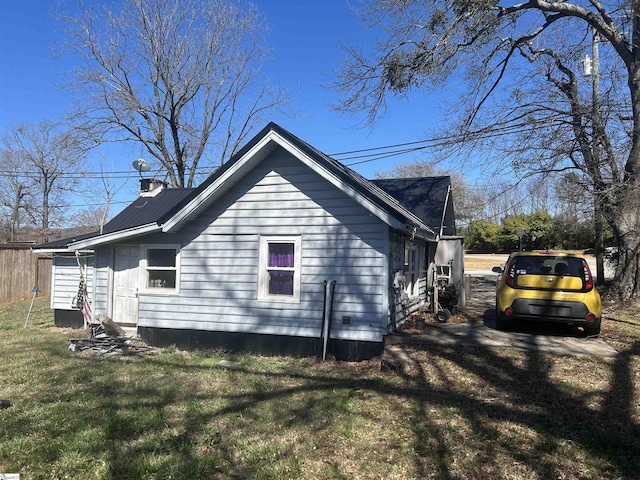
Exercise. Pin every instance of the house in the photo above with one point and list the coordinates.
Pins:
(282, 250)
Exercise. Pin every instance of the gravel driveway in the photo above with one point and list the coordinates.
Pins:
(479, 329)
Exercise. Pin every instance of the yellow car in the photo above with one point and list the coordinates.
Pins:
(547, 287)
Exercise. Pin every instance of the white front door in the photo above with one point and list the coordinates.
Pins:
(125, 285)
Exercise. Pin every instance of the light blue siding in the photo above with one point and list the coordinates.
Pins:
(65, 280)
(341, 241)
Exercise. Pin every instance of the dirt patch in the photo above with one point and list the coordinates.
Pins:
(621, 327)
(486, 261)
(483, 261)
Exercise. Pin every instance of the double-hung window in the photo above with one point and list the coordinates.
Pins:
(161, 267)
(279, 268)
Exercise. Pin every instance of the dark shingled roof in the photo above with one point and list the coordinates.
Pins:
(62, 243)
(142, 211)
(148, 209)
(424, 196)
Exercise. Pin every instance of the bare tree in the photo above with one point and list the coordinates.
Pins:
(110, 187)
(47, 159)
(570, 196)
(526, 103)
(416, 168)
(89, 219)
(14, 189)
(181, 77)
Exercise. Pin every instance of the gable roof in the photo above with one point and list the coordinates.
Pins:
(378, 202)
(428, 198)
(171, 208)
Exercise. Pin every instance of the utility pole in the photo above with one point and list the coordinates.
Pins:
(597, 126)
(592, 68)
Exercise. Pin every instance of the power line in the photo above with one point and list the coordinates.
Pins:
(384, 147)
(128, 175)
(435, 142)
(364, 155)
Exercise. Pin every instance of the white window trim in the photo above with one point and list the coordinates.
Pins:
(144, 248)
(263, 276)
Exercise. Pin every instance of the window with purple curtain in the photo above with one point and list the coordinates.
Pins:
(281, 268)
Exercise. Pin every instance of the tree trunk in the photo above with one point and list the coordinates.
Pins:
(599, 240)
(45, 211)
(16, 212)
(626, 283)
(624, 207)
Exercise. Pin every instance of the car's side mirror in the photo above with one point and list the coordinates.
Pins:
(496, 269)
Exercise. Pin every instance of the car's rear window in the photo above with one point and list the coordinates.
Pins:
(538, 265)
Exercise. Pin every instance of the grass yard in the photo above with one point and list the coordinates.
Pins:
(465, 413)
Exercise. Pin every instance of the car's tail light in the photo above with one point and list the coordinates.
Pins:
(591, 317)
(508, 311)
(510, 274)
(588, 278)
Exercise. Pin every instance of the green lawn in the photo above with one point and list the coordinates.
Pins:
(465, 413)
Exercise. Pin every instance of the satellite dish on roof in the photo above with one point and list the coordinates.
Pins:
(141, 166)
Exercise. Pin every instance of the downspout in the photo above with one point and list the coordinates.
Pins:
(332, 291)
(324, 317)
(328, 311)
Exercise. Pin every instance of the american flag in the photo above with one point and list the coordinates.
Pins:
(86, 306)
(82, 299)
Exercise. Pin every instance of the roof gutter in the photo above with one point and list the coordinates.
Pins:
(115, 236)
(55, 250)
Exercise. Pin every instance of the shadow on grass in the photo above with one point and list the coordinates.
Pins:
(608, 436)
(470, 413)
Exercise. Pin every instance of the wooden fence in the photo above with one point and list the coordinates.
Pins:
(21, 270)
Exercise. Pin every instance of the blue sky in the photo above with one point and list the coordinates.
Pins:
(305, 38)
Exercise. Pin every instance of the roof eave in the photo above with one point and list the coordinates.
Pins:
(115, 236)
(59, 250)
(183, 215)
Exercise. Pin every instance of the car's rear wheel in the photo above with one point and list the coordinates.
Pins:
(592, 331)
(501, 321)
